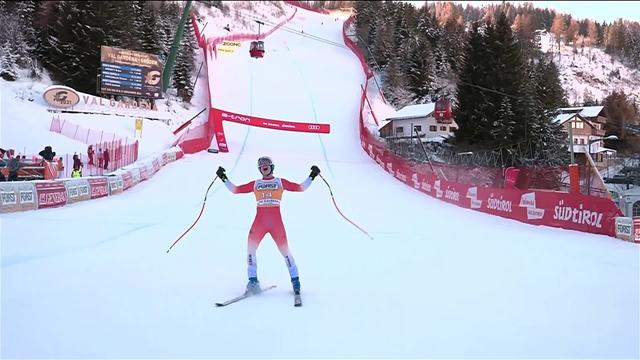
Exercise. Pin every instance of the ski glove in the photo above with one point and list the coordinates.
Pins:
(221, 174)
(314, 172)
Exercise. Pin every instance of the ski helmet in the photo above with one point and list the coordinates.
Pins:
(265, 160)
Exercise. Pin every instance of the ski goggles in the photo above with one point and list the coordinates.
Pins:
(264, 161)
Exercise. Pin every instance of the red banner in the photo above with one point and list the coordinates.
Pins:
(569, 211)
(127, 179)
(99, 187)
(144, 175)
(272, 124)
(51, 194)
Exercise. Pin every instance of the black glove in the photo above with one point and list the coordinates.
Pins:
(221, 174)
(314, 172)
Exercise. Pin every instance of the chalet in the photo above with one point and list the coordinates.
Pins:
(420, 117)
(587, 124)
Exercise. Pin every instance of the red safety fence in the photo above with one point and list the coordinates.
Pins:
(495, 191)
(110, 152)
(80, 133)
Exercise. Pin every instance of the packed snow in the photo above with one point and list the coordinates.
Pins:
(93, 279)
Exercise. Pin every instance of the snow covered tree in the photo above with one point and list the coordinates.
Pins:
(150, 35)
(549, 90)
(471, 110)
(420, 70)
(184, 65)
(504, 124)
(8, 62)
(394, 84)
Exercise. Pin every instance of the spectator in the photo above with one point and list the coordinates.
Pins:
(100, 158)
(77, 164)
(3, 157)
(60, 168)
(13, 166)
(106, 158)
(2, 178)
(90, 153)
(47, 154)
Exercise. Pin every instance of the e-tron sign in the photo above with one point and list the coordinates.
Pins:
(128, 72)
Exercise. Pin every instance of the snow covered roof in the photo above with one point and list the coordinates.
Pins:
(560, 119)
(585, 111)
(413, 111)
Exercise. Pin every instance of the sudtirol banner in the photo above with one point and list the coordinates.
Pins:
(128, 72)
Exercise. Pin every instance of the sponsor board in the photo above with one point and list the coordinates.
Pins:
(17, 196)
(116, 185)
(127, 180)
(77, 190)
(271, 123)
(51, 194)
(99, 187)
(624, 228)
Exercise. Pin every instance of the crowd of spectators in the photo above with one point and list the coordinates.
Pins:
(11, 163)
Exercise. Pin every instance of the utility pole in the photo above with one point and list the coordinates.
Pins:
(168, 67)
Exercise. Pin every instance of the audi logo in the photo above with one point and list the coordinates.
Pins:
(314, 127)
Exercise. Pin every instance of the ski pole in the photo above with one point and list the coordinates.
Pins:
(198, 218)
(340, 212)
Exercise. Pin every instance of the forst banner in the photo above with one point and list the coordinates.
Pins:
(128, 72)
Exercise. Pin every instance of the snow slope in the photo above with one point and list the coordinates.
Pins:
(590, 70)
(93, 279)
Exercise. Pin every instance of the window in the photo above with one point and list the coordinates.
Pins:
(443, 128)
(636, 209)
(452, 128)
(581, 141)
(577, 124)
(575, 141)
(399, 130)
(433, 128)
(418, 128)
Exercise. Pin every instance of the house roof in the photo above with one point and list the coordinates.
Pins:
(562, 118)
(413, 111)
(585, 111)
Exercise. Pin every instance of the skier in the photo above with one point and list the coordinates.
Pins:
(268, 192)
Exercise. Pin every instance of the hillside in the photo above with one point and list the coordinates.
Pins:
(590, 72)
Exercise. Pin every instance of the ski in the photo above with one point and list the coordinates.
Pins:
(297, 300)
(242, 297)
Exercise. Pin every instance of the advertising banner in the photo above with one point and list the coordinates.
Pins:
(17, 196)
(624, 228)
(116, 185)
(128, 72)
(99, 187)
(127, 180)
(51, 194)
(77, 190)
(144, 175)
(272, 124)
